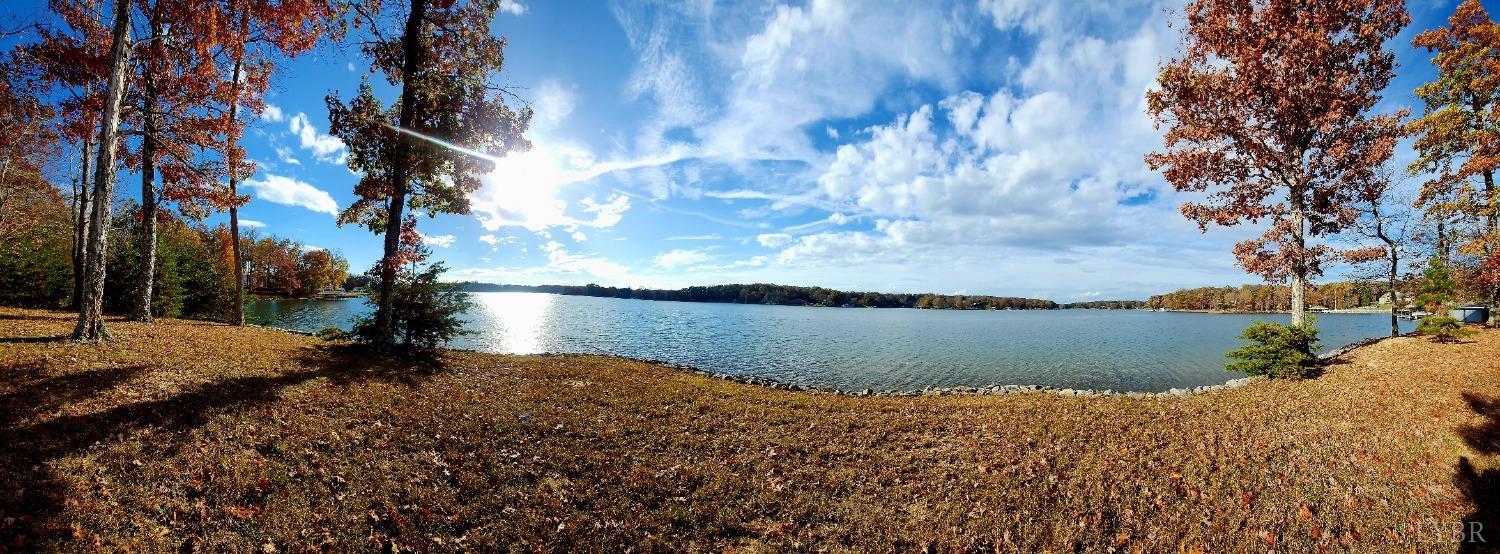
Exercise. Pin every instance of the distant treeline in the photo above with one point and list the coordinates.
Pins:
(1269, 298)
(787, 295)
(1106, 305)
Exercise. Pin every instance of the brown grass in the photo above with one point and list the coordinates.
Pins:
(188, 434)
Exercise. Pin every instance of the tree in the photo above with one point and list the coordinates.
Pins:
(259, 30)
(320, 268)
(1267, 109)
(1277, 351)
(429, 151)
(28, 143)
(1381, 218)
(91, 310)
(1437, 287)
(176, 121)
(273, 265)
(72, 60)
(1435, 295)
(1458, 135)
(426, 312)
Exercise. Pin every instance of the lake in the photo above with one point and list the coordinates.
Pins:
(855, 348)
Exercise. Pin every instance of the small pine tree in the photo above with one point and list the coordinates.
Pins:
(1277, 351)
(1437, 287)
(1435, 295)
(426, 312)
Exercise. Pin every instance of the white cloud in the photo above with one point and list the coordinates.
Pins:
(349, 66)
(559, 260)
(285, 155)
(777, 71)
(710, 236)
(272, 114)
(773, 240)
(251, 223)
(677, 258)
(291, 192)
(1053, 163)
(832, 133)
(608, 213)
(440, 241)
(554, 103)
(326, 148)
(513, 7)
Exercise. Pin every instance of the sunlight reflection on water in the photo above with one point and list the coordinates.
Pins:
(512, 322)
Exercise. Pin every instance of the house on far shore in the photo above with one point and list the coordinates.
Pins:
(1317, 309)
(330, 291)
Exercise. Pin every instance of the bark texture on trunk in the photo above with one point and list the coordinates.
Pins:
(81, 223)
(1299, 262)
(1492, 215)
(1393, 252)
(384, 318)
(1395, 324)
(237, 315)
(91, 311)
(147, 277)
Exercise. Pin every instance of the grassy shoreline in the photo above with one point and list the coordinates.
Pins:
(201, 435)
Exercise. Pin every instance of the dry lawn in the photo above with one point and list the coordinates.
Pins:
(190, 435)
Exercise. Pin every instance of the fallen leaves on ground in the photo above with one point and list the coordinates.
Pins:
(191, 435)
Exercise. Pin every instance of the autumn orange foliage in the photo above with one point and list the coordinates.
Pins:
(1267, 113)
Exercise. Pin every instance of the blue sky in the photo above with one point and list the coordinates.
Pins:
(988, 148)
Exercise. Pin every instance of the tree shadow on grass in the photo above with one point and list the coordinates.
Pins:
(33, 389)
(37, 317)
(33, 494)
(31, 340)
(1481, 487)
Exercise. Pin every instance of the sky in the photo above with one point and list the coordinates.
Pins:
(958, 148)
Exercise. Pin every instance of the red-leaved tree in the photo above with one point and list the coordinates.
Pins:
(1268, 116)
(255, 34)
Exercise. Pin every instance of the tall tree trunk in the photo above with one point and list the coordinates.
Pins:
(1395, 297)
(1299, 263)
(237, 316)
(91, 311)
(1442, 238)
(410, 65)
(1492, 212)
(1394, 253)
(147, 276)
(80, 224)
(1492, 225)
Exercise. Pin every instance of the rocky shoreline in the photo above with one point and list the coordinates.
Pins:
(990, 390)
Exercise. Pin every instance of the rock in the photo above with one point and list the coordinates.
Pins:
(1067, 392)
(1177, 392)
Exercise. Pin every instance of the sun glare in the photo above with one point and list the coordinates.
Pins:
(519, 318)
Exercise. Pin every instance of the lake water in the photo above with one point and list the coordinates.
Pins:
(853, 349)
